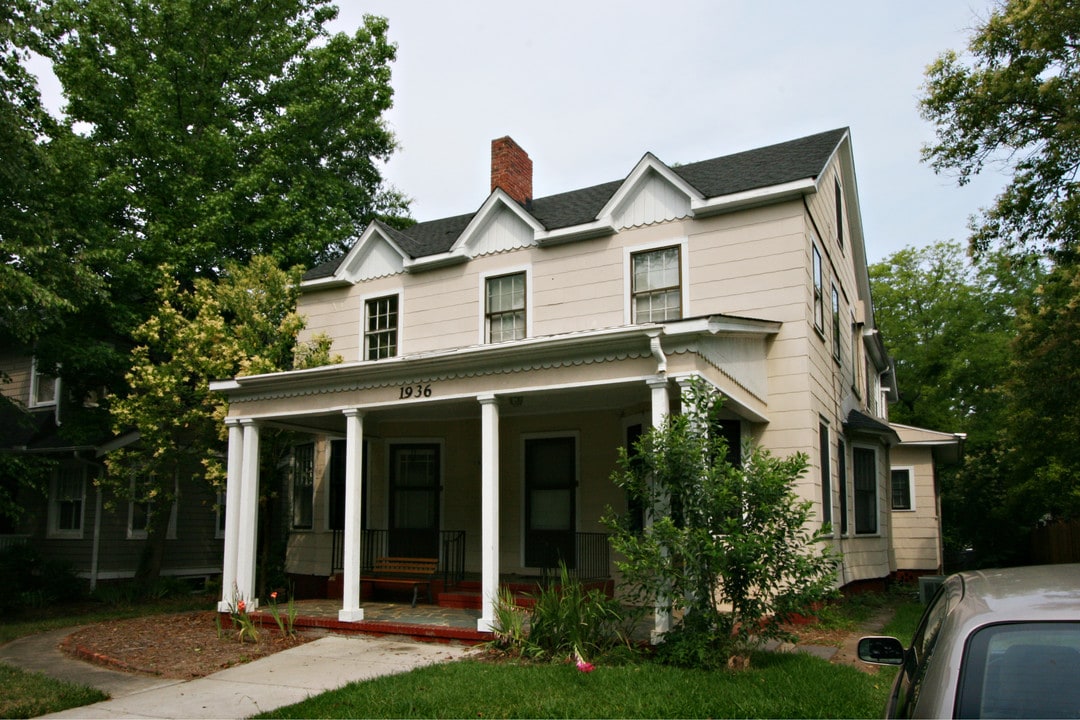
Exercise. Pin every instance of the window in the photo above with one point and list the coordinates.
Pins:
(826, 480)
(219, 513)
(656, 285)
(819, 309)
(841, 471)
(504, 313)
(865, 462)
(381, 328)
(836, 323)
(303, 486)
(67, 493)
(141, 505)
(839, 195)
(902, 495)
(44, 389)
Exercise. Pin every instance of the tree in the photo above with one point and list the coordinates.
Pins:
(1015, 101)
(244, 323)
(728, 547)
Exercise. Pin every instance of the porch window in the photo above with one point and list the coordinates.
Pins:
(656, 285)
(67, 497)
(44, 388)
(826, 471)
(866, 502)
(836, 323)
(504, 312)
(381, 328)
(303, 486)
(901, 489)
(819, 300)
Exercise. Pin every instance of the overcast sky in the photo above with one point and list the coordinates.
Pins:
(587, 87)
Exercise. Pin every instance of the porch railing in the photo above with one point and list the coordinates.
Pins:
(375, 543)
(7, 541)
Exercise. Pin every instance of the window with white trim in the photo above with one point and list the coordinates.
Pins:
(504, 308)
(381, 327)
(841, 472)
(303, 487)
(839, 195)
(141, 506)
(903, 491)
(656, 285)
(44, 388)
(819, 300)
(67, 500)
(866, 500)
(836, 323)
(826, 474)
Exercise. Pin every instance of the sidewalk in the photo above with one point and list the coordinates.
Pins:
(279, 679)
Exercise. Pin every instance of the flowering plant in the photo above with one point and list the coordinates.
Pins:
(243, 622)
(285, 624)
(582, 665)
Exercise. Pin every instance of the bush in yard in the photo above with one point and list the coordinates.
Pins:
(728, 549)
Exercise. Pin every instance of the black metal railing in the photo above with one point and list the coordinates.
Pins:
(375, 543)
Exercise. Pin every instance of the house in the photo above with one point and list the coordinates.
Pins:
(76, 521)
(496, 360)
(915, 504)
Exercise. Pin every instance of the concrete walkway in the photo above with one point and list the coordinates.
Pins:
(265, 684)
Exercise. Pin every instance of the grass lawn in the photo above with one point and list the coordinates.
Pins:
(776, 686)
(28, 695)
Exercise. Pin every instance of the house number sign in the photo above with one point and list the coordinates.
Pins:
(413, 392)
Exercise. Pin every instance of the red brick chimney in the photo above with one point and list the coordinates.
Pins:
(511, 170)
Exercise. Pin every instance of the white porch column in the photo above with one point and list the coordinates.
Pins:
(661, 407)
(354, 456)
(248, 515)
(232, 513)
(489, 511)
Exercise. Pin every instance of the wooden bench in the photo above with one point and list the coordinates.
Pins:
(405, 572)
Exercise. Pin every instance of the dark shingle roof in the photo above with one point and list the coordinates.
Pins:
(763, 167)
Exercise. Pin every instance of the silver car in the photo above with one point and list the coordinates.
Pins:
(992, 644)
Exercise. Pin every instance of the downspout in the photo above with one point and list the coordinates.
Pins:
(658, 353)
(96, 543)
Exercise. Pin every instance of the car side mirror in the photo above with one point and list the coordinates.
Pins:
(881, 650)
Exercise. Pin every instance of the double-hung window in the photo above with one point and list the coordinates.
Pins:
(43, 388)
(141, 506)
(381, 328)
(819, 300)
(656, 285)
(902, 495)
(866, 504)
(504, 308)
(303, 487)
(836, 323)
(67, 498)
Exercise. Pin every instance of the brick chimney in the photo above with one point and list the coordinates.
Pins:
(511, 170)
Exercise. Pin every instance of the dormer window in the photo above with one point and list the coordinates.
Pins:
(44, 388)
(656, 285)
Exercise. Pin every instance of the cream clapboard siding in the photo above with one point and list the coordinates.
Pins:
(916, 536)
(18, 368)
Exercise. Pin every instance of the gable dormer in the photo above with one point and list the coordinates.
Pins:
(651, 193)
(374, 255)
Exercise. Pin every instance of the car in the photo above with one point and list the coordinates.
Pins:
(991, 643)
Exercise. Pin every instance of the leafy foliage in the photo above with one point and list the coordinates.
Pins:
(1015, 100)
(728, 548)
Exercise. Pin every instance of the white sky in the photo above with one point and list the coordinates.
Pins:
(587, 87)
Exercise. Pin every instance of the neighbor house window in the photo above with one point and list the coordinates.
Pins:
(902, 494)
(381, 328)
(44, 388)
(303, 487)
(142, 504)
(504, 309)
(656, 285)
(836, 323)
(866, 502)
(219, 516)
(826, 470)
(67, 493)
(819, 300)
(839, 213)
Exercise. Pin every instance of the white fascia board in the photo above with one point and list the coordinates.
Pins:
(637, 176)
(430, 262)
(323, 283)
(757, 196)
(722, 325)
(116, 443)
(491, 205)
(596, 228)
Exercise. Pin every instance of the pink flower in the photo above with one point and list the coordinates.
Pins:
(241, 606)
(273, 595)
(585, 667)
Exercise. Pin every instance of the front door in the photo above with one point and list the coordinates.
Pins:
(415, 484)
(550, 490)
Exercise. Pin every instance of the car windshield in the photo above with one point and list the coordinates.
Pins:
(1022, 670)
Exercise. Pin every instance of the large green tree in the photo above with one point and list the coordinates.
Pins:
(1014, 100)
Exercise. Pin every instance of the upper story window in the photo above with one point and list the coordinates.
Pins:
(381, 328)
(839, 213)
(656, 285)
(819, 300)
(44, 389)
(836, 323)
(504, 308)
(67, 494)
